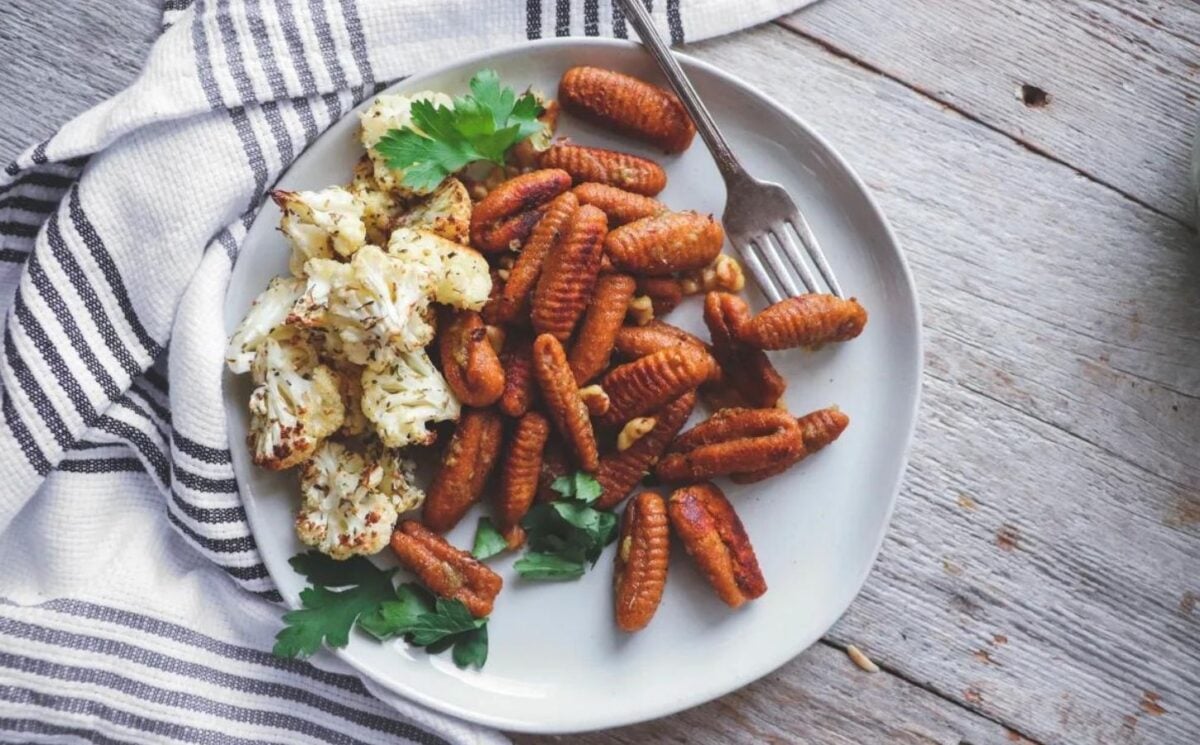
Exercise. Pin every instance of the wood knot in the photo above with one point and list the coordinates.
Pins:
(1033, 96)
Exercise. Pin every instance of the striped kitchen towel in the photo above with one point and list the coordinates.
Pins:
(134, 606)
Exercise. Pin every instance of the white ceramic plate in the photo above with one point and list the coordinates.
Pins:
(557, 662)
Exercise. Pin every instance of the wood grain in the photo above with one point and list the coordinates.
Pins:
(1122, 76)
(60, 60)
(820, 697)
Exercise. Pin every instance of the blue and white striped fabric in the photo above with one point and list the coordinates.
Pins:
(121, 526)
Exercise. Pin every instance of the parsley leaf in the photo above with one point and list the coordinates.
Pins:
(321, 570)
(488, 540)
(392, 616)
(378, 608)
(579, 485)
(482, 125)
(566, 535)
(328, 615)
(471, 648)
(540, 566)
(450, 617)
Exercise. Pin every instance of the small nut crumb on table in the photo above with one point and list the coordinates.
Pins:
(1038, 581)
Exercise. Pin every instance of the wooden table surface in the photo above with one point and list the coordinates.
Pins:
(1041, 578)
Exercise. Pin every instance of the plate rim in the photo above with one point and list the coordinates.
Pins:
(744, 678)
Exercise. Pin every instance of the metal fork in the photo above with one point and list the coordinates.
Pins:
(761, 219)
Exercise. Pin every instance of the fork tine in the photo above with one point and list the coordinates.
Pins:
(786, 278)
(765, 282)
(809, 239)
(792, 251)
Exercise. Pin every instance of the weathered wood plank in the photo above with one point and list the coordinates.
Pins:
(1062, 409)
(1060, 297)
(820, 697)
(1123, 76)
(60, 59)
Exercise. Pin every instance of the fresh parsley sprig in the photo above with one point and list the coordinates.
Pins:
(488, 541)
(365, 596)
(568, 535)
(482, 125)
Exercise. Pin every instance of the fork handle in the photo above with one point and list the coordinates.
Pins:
(731, 169)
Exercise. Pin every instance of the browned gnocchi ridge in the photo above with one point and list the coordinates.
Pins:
(469, 362)
(520, 385)
(569, 274)
(746, 370)
(465, 468)
(621, 206)
(511, 302)
(817, 429)
(612, 167)
(521, 470)
(732, 440)
(643, 551)
(594, 343)
(503, 219)
(804, 321)
(645, 384)
(627, 105)
(621, 470)
(666, 243)
(444, 569)
(562, 401)
(638, 341)
(714, 537)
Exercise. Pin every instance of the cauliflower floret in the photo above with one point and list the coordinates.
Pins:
(388, 112)
(374, 301)
(446, 212)
(296, 403)
(350, 385)
(270, 309)
(379, 206)
(461, 277)
(320, 224)
(403, 392)
(352, 500)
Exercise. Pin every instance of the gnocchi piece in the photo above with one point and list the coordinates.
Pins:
(804, 321)
(663, 244)
(563, 403)
(465, 468)
(469, 362)
(612, 167)
(627, 105)
(638, 387)
(507, 215)
(605, 315)
(569, 274)
(619, 205)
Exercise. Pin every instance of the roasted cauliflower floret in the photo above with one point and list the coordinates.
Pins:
(296, 402)
(374, 301)
(445, 212)
(349, 377)
(402, 393)
(460, 274)
(392, 112)
(351, 500)
(270, 309)
(379, 206)
(320, 224)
